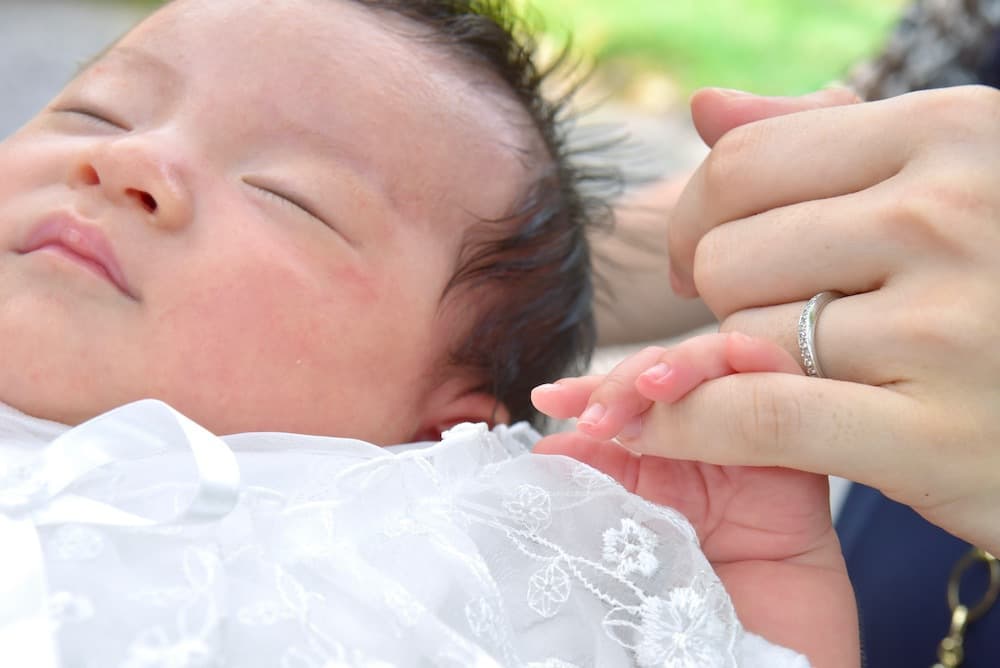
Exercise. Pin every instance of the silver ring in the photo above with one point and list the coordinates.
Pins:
(807, 331)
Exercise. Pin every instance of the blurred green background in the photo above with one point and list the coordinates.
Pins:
(767, 46)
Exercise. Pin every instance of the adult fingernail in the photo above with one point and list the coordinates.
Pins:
(594, 414)
(658, 373)
(839, 93)
(632, 429)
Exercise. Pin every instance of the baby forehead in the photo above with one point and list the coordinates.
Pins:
(381, 87)
(316, 49)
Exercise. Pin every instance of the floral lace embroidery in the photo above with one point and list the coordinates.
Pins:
(679, 630)
(631, 548)
(548, 589)
(530, 506)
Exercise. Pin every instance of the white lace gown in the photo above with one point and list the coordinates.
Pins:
(140, 540)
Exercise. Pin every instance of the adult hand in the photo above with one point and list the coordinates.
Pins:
(895, 204)
(632, 260)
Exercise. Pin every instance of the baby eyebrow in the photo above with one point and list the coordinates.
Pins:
(340, 164)
(133, 57)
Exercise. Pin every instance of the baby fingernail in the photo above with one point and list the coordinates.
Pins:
(632, 429)
(593, 414)
(548, 387)
(658, 373)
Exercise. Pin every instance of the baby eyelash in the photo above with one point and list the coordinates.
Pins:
(95, 117)
(286, 200)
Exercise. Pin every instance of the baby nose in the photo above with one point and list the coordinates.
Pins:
(145, 200)
(133, 174)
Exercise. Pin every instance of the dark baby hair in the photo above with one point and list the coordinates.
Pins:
(527, 277)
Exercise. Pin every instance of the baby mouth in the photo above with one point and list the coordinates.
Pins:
(82, 244)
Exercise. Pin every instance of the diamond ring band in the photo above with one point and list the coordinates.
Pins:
(807, 331)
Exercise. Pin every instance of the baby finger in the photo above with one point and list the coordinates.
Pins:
(565, 398)
(616, 402)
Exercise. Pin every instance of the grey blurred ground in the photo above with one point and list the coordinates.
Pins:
(41, 45)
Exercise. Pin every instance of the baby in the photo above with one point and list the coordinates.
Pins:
(317, 216)
(350, 219)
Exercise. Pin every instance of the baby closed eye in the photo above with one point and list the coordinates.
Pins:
(99, 119)
(279, 197)
(294, 203)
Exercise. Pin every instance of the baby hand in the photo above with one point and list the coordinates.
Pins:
(614, 406)
(766, 531)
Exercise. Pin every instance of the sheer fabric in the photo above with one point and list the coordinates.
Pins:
(140, 540)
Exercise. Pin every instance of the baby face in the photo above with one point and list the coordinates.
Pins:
(251, 210)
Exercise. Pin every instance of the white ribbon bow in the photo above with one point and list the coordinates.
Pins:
(37, 496)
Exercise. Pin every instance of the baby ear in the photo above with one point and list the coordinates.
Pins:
(469, 406)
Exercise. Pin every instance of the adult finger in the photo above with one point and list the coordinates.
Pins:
(716, 111)
(794, 252)
(776, 162)
(934, 453)
(837, 333)
(792, 421)
(842, 324)
(927, 327)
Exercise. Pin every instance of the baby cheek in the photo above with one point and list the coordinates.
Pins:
(279, 317)
(23, 169)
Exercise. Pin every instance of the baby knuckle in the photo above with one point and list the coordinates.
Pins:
(652, 351)
(613, 389)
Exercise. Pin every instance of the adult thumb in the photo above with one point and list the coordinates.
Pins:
(716, 111)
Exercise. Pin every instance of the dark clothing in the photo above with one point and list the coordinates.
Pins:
(899, 565)
(989, 69)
